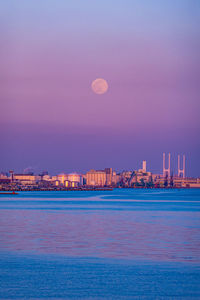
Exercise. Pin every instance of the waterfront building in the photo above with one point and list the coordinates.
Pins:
(74, 184)
(3, 176)
(115, 178)
(11, 172)
(108, 176)
(175, 181)
(96, 178)
(26, 179)
(186, 182)
(70, 180)
(57, 183)
(139, 177)
(144, 166)
(46, 178)
(62, 177)
(4, 179)
(74, 177)
(67, 183)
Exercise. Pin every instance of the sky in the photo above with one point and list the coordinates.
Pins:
(51, 51)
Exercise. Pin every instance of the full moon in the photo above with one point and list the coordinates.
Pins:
(99, 86)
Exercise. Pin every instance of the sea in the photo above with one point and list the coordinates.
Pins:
(120, 244)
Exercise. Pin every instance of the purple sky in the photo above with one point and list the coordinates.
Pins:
(51, 51)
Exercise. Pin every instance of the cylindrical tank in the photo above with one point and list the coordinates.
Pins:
(75, 178)
(57, 182)
(67, 183)
(62, 178)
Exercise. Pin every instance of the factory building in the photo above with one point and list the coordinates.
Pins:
(96, 178)
(70, 180)
(75, 179)
(144, 166)
(115, 178)
(67, 183)
(26, 179)
(61, 178)
(109, 175)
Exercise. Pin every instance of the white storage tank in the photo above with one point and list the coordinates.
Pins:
(77, 178)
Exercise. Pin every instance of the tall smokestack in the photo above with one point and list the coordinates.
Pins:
(144, 166)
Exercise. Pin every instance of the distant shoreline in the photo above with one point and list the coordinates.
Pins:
(14, 191)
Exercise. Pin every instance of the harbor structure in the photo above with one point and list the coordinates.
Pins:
(96, 178)
(69, 180)
(144, 166)
(109, 175)
(101, 178)
(181, 172)
(62, 178)
(26, 179)
(166, 171)
(75, 179)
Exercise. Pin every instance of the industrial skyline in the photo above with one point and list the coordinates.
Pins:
(141, 178)
(147, 53)
(99, 149)
(168, 169)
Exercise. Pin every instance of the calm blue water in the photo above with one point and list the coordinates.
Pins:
(124, 244)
